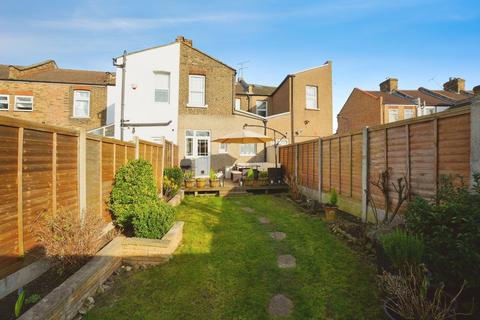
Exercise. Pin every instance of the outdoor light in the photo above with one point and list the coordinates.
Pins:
(134, 86)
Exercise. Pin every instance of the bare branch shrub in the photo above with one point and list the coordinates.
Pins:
(65, 240)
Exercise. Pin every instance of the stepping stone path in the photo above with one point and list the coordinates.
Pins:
(278, 235)
(264, 220)
(280, 306)
(248, 209)
(286, 261)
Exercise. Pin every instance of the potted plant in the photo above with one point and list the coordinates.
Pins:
(331, 207)
(249, 178)
(263, 178)
(201, 182)
(214, 181)
(189, 179)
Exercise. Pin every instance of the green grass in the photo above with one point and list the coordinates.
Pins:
(226, 269)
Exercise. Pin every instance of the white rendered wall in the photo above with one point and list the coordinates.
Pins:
(140, 105)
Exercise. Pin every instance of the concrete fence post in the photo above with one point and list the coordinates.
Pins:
(319, 164)
(82, 173)
(364, 173)
(136, 140)
(474, 140)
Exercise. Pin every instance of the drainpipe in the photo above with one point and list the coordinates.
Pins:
(122, 99)
(292, 110)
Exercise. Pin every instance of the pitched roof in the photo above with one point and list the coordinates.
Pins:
(55, 74)
(453, 95)
(425, 98)
(391, 98)
(258, 89)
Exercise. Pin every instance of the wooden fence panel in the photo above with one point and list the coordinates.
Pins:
(37, 178)
(314, 165)
(326, 158)
(335, 164)
(397, 157)
(422, 159)
(94, 183)
(357, 167)
(67, 175)
(108, 169)
(345, 166)
(377, 163)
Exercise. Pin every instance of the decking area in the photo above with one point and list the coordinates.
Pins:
(230, 189)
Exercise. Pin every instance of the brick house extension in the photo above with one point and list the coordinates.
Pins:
(178, 92)
(45, 93)
(367, 108)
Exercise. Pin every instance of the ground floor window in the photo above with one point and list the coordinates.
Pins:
(248, 149)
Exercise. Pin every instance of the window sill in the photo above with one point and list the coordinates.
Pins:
(248, 155)
(313, 109)
(194, 106)
(16, 110)
(80, 118)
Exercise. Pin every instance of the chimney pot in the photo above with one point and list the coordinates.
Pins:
(389, 85)
(183, 40)
(454, 84)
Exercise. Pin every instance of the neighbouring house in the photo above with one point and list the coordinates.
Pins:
(45, 93)
(367, 108)
(180, 93)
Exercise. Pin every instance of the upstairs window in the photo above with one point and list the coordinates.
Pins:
(248, 149)
(311, 97)
(4, 101)
(162, 86)
(237, 104)
(223, 148)
(23, 103)
(196, 95)
(392, 115)
(261, 108)
(81, 104)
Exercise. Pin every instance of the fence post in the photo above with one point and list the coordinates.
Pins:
(82, 173)
(474, 140)
(295, 163)
(136, 140)
(21, 249)
(163, 164)
(320, 170)
(54, 173)
(364, 173)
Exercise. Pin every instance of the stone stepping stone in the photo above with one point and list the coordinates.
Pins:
(278, 235)
(264, 220)
(280, 306)
(248, 209)
(286, 261)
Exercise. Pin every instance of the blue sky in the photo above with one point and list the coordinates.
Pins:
(422, 43)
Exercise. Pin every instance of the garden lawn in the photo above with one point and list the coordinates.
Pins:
(226, 268)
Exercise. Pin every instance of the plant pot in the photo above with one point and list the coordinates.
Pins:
(214, 183)
(263, 181)
(190, 183)
(248, 182)
(330, 213)
(201, 183)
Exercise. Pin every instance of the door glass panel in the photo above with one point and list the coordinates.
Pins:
(202, 149)
(189, 147)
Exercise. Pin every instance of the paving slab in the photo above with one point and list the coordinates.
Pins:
(286, 261)
(264, 220)
(280, 306)
(278, 235)
(248, 209)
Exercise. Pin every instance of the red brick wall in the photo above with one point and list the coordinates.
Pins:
(361, 109)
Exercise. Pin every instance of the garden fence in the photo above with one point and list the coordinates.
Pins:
(420, 150)
(47, 169)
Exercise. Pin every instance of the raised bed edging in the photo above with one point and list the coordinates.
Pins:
(177, 199)
(65, 300)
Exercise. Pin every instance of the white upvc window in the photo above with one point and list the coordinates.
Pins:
(392, 115)
(196, 94)
(428, 110)
(162, 86)
(4, 101)
(237, 104)
(223, 148)
(248, 149)
(261, 107)
(311, 97)
(23, 103)
(408, 113)
(81, 104)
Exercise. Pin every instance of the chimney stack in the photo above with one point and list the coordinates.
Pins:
(476, 90)
(250, 88)
(389, 85)
(454, 85)
(184, 40)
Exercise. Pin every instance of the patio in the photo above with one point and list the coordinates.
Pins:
(231, 188)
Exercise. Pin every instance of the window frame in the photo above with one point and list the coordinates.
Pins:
(398, 115)
(156, 73)
(239, 106)
(222, 150)
(7, 102)
(307, 97)
(407, 110)
(265, 101)
(189, 103)
(22, 110)
(74, 105)
(248, 154)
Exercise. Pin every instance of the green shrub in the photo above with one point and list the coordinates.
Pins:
(175, 174)
(403, 249)
(263, 174)
(334, 198)
(250, 174)
(450, 228)
(188, 175)
(153, 221)
(170, 187)
(134, 186)
(213, 175)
